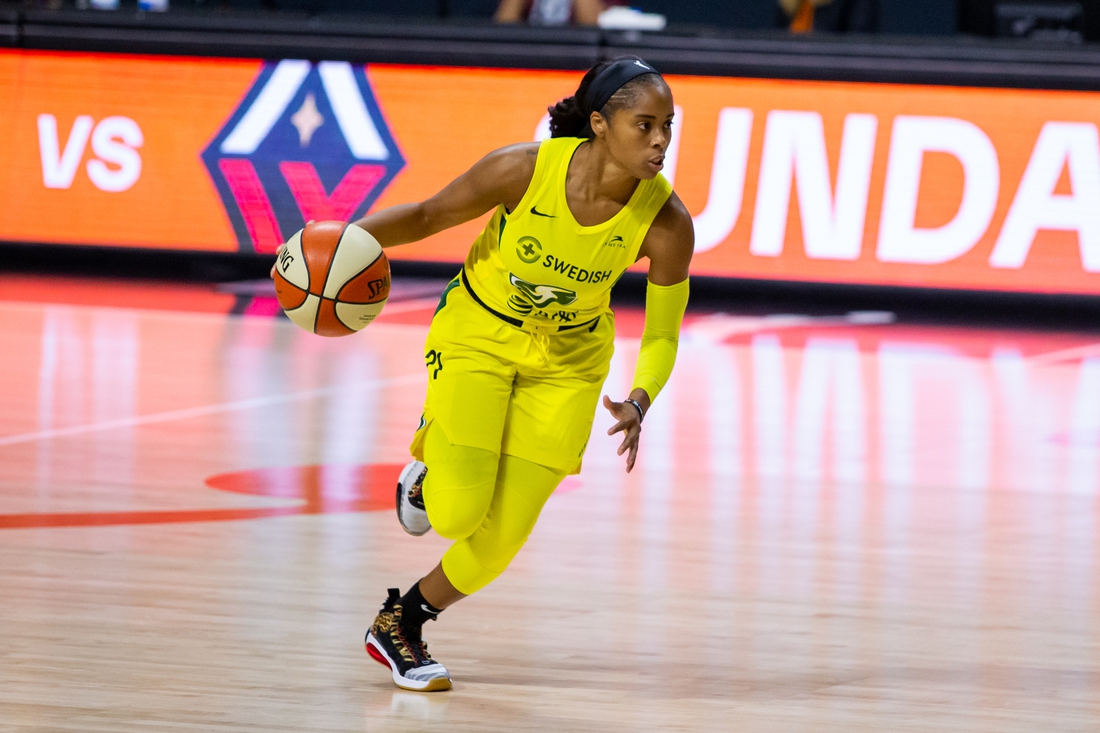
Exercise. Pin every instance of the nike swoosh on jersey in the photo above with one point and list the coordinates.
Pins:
(536, 212)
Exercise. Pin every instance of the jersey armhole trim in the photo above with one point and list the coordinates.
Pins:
(537, 178)
(663, 194)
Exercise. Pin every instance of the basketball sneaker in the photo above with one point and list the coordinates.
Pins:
(410, 499)
(402, 649)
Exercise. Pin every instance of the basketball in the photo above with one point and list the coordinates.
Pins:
(332, 278)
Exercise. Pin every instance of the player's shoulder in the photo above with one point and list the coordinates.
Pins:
(675, 218)
(670, 241)
(520, 156)
(511, 166)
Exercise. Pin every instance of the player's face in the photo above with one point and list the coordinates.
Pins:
(638, 136)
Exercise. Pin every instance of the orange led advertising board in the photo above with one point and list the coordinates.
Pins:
(948, 187)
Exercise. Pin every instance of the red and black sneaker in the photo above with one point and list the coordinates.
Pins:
(402, 649)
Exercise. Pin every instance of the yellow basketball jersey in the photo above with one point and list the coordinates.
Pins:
(539, 266)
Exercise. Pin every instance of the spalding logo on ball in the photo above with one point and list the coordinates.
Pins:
(332, 278)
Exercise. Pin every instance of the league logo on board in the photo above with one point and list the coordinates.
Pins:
(307, 142)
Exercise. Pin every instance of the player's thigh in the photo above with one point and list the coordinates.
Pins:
(551, 411)
(470, 375)
(549, 420)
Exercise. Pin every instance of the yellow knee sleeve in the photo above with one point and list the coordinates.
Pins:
(459, 485)
(522, 489)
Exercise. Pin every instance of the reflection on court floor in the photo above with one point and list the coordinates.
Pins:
(835, 523)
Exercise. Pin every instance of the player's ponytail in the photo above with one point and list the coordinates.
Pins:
(567, 117)
(607, 86)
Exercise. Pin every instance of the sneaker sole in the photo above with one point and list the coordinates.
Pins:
(378, 654)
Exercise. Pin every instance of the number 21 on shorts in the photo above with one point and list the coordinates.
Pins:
(434, 360)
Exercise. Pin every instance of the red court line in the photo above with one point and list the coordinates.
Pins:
(114, 293)
(107, 519)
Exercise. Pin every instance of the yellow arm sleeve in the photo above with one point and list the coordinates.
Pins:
(664, 312)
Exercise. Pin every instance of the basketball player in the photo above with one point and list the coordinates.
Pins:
(520, 345)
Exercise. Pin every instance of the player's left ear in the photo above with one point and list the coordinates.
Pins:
(598, 123)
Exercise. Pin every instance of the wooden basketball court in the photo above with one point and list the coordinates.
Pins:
(836, 524)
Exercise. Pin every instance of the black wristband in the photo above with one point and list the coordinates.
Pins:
(641, 412)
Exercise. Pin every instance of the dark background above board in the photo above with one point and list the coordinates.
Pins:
(932, 58)
(901, 17)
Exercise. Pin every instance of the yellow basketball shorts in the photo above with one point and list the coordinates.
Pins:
(528, 394)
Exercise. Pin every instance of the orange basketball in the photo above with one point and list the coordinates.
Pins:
(332, 278)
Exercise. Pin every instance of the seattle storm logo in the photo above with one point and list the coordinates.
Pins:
(308, 141)
(530, 296)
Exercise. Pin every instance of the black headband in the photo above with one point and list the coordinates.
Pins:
(611, 80)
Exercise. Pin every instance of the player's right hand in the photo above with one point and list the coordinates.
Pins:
(279, 253)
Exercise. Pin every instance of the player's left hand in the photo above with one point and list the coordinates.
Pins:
(278, 254)
(630, 423)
